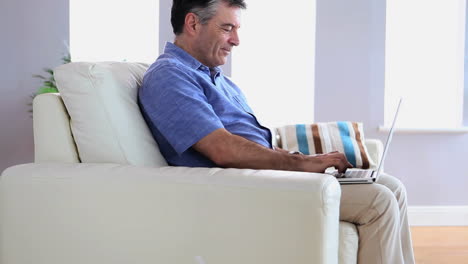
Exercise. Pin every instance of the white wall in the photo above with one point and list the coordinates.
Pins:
(349, 86)
(32, 36)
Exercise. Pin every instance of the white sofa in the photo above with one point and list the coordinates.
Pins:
(99, 192)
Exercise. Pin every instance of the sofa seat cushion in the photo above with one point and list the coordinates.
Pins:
(105, 119)
(349, 243)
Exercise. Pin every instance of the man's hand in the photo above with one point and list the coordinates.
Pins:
(320, 162)
(232, 151)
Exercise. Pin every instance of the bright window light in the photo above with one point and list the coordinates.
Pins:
(274, 64)
(114, 30)
(424, 62)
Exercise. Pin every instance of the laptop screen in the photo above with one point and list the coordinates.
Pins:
(389, 139)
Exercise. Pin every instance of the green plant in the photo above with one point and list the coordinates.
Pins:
(49, 85)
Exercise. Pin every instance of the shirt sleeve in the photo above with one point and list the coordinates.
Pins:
(177, 107)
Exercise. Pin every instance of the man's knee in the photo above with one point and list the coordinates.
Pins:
(386, 202)
(395, 185)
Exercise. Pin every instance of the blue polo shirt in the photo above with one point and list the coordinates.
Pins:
(183, 101)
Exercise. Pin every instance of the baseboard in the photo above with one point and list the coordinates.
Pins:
(438, 215)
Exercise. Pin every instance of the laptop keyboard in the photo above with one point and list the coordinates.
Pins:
(353, 173)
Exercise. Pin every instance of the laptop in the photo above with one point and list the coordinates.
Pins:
(361, 176)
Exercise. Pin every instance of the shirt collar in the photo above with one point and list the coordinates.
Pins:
(188, 59)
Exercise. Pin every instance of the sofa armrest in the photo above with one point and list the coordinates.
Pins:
(53, 139)
(108, 213)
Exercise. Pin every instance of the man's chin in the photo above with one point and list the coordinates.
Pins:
(222, 62)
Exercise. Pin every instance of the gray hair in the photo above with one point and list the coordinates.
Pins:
(203, 9)
(205, 14)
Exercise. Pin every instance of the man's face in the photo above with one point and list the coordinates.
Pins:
(217, 37)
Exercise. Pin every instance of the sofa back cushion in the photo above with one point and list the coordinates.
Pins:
(105, 119)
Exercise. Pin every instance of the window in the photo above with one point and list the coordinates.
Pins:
(274, 64)
(114, 30)
(424, 62)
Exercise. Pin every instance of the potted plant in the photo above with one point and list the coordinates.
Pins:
(49, 85)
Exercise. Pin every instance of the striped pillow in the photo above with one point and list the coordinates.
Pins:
(318, 138)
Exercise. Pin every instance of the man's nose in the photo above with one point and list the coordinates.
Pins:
(234, 40)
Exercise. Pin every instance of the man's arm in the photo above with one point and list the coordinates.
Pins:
(232, 151)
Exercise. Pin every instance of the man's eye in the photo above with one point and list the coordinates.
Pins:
(227, 29)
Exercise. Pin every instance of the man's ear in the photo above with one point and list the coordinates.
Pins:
(191, 23)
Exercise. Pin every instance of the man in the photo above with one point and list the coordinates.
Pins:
(201, 119)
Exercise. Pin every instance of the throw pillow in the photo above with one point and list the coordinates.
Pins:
(319, 138)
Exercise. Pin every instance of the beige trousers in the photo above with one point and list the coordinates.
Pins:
(379, 211)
